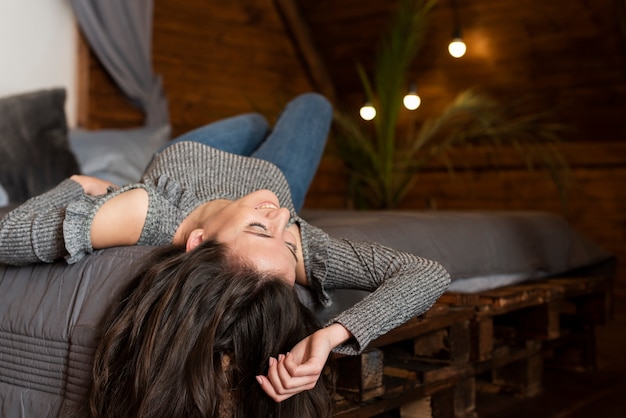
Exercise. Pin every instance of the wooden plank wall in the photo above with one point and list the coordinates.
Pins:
(566, 56)
(220, 58)
(217, 59)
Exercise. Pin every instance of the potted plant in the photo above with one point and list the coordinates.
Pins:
(383, 161)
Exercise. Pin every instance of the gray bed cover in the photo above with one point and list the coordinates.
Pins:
(49, 314)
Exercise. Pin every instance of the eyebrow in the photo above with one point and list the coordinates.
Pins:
(291, 249)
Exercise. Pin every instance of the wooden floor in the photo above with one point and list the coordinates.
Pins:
(597, 394)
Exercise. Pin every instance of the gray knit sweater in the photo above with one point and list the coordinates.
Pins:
(57, 225)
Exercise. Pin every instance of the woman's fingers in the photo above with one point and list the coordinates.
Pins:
(279, 384)
(92, 186)
(297, 381)
(300, 369)
(311, 366)
(267, 387)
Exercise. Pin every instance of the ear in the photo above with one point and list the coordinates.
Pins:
(195, 238)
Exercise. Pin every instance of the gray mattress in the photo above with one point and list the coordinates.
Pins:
(480, 250)
(50, 314)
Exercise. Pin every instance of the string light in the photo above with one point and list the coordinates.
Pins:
(412, 101)
(368, 111)
(456, 47)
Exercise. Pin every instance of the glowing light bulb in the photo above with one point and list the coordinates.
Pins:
(368, 112)
(457, 48)
(412, 101)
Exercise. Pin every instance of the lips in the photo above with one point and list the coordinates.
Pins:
(266, 205)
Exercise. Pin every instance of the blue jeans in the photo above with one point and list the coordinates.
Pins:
(295, 144)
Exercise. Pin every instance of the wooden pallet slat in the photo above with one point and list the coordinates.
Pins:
(360, 378)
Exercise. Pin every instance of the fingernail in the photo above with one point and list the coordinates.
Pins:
(272, 361)
(281, 357)
(258, 379)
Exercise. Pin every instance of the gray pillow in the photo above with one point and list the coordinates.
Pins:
(34, 152)
(117, 155)
(4, 197)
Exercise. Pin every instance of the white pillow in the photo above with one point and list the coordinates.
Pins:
(117, 155)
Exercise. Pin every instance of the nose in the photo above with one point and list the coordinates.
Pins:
(279, 217)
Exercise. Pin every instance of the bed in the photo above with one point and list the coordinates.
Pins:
(50, 313)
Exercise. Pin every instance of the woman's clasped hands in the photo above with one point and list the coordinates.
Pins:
(92, 186)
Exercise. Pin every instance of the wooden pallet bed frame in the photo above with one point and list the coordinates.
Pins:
(493, 340)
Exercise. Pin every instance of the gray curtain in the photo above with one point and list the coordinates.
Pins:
(120, 34)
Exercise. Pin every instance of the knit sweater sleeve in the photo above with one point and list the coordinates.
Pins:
(403, 285)
(165, 199)
(33, 232)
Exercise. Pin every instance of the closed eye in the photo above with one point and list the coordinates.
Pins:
(260, 226)
(292, 247)
(257, 225)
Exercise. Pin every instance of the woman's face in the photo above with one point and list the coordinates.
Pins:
(255, 227)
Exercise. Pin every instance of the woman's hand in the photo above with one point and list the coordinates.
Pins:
(92, 186)
(301, 368)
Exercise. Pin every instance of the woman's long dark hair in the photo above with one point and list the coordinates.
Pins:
(190, 335)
